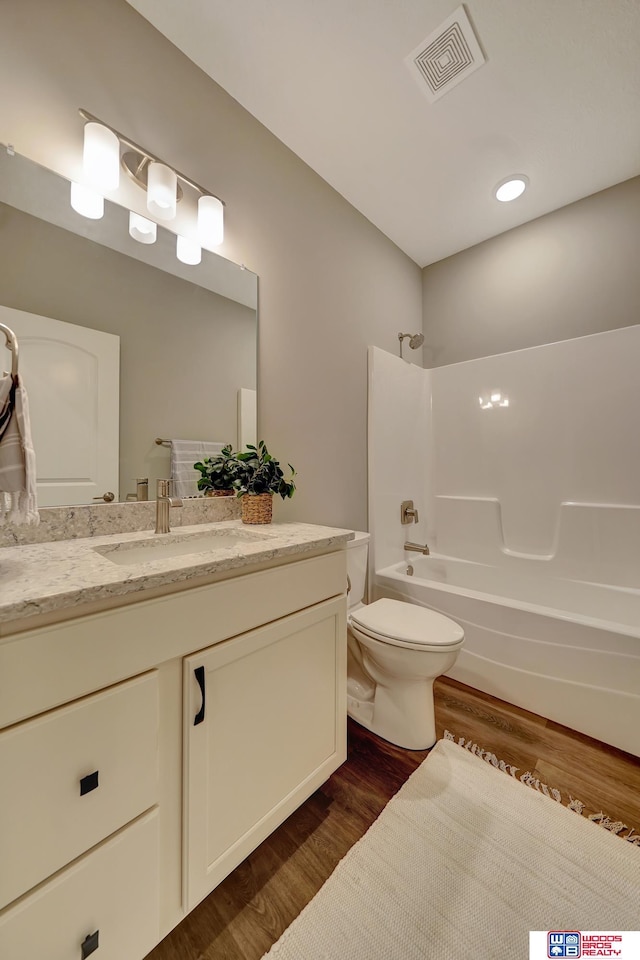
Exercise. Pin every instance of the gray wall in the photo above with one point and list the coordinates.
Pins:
(330, 283)
(570, 273)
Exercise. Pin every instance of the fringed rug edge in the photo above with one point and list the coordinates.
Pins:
(617, 827)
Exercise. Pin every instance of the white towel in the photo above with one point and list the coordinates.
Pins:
(184, 453)
(18, 494)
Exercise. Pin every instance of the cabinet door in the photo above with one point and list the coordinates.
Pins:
(265, 725)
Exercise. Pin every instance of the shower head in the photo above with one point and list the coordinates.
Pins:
(416, 340)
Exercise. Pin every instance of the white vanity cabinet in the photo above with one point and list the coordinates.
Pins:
(124, 797)
(264, 726)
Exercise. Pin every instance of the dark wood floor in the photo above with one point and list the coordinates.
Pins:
(247, 913)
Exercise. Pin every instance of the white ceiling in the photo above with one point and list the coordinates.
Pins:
(558, 100)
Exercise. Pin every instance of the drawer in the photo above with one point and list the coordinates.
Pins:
(73, 776)
(109, 896)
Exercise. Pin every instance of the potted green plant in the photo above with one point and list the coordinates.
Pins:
(218, 473)
(258, 477)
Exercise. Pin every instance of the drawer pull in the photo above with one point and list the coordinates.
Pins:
(89, 944)
(199, 675)
(88, 783)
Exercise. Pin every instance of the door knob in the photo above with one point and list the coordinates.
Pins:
(107, 497)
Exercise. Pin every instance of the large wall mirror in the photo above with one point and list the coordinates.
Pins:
(186, 336)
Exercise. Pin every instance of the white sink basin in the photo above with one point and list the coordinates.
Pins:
(146, 551)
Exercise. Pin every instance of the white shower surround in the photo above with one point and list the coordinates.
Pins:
(532, 515)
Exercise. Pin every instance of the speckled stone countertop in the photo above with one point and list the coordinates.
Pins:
(42, 578)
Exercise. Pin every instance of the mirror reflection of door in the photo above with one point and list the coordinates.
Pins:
(71, 375)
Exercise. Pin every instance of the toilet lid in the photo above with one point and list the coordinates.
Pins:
(407, 622)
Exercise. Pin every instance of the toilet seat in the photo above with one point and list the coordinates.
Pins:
(407, 625)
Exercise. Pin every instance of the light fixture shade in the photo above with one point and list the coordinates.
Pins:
(141, 229)
(87, 202)
(101, 157)
(162, 187)
(210, 221)
(188, 251)
(511, 189)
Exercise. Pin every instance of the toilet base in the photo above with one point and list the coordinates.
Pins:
(411, 729)
(390, 687)
(360, 710)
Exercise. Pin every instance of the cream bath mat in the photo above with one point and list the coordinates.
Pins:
(462, 863)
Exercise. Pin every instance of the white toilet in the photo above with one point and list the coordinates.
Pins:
(395, 652)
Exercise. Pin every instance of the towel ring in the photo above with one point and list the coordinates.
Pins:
(12, 344)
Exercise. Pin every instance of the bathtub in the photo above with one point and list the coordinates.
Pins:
(568, 650)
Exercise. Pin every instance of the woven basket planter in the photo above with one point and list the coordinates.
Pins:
(219, 493)
(257, 508)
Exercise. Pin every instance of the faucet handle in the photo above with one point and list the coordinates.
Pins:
(142, 488)
(163, 487)
(408, 513)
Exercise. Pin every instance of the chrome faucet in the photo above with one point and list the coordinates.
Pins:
(163, 505)
(417, 547)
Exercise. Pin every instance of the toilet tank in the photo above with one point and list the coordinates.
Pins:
(357, 551)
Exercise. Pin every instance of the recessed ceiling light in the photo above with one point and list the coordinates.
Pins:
(511, 188)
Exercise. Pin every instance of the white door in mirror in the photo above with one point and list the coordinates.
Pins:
(71, 375)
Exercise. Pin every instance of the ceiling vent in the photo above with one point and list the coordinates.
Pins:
(446, 57)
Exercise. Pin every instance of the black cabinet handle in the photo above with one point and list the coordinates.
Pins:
(89, 944)
(88, 783)
(199, 675)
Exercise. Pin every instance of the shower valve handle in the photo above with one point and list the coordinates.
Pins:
(408, 513)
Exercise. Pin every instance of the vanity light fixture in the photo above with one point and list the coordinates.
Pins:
(210, 221)
(141, 229)
(188, 251)
(511, 188)
(162, 190)
(164, 187)
(87, 202)
(101, 157)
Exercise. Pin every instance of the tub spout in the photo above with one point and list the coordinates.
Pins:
(417, 547)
